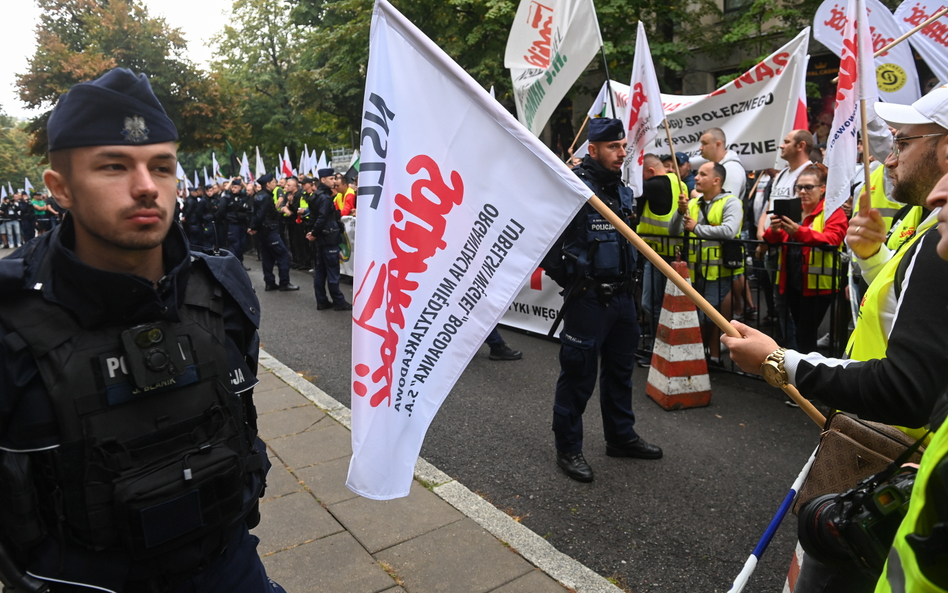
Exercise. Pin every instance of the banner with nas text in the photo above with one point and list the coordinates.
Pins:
(441, 253)
(755, 110)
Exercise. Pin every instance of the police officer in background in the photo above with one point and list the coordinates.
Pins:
(325, 235)
(192, 215)
(239, 207)
(594, 264)
(266, 221)
(128, 447)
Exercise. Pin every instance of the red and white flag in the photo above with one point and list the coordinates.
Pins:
(441, 253)
(644, 113)
(286, 164)
(857, 82)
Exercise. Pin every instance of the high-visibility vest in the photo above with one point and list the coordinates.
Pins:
(879, 201)
(868, 341)
(906, 228)
(711, 263)
(657, 224)
(823, 267)
(901, 572)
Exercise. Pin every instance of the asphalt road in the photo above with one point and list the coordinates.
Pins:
(686, 522)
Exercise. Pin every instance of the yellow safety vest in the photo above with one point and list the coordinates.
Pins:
(879, 201)
(657, 224)
(918, 519)
(906, 228)
(711, 264)
(823, 267)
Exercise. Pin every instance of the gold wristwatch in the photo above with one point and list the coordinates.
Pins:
(772, 370)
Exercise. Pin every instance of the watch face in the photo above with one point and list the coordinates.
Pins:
(771, 374)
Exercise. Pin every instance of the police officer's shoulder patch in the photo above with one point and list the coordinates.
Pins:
(228, 271)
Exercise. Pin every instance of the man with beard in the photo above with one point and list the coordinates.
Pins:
(895, 368)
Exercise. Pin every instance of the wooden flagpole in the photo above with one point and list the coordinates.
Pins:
(578, 134)
(694, 295)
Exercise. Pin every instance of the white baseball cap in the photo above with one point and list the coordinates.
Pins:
(930, 109)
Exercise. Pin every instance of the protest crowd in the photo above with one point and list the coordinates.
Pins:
(836, 287)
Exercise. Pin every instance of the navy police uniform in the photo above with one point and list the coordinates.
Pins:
(595, 265)
(266, 222)
(129, 457)
(327, 236)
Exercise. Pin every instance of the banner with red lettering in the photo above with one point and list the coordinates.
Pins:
(895, 71)
(551, 43)
(755, 110)
(443, 250)
(857, 82)
(644, 112)
(931, 42)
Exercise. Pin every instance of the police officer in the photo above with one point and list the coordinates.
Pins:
(239, 208)
(325, 235)
(192, 214)
(217, 208)
(128, 447)
(27, 217)
(212, 209)
(266, 221)
(594, 264)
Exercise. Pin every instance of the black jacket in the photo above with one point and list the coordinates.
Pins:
(325, 217)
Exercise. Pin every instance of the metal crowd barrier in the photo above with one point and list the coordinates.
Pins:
(758, 303)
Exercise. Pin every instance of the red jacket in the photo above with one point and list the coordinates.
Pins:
(834, 231)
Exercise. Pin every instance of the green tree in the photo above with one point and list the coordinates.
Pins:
(79, 40)
(15, 159)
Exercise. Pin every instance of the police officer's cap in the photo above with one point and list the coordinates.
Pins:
(119, 108)
(306, 180)
(263, 180)
(682, 158)
(327, 172)
(604, 129)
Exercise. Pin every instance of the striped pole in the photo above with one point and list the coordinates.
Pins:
(741, 581)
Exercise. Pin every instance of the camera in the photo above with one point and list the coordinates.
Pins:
(857, 526)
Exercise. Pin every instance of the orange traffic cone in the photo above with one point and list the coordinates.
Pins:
(678, 377)
(794, 572)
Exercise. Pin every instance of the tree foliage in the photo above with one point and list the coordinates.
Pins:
(79, 40)
(15, 160)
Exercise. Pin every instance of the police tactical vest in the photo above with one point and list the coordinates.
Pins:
(155, 446)
(597, 249)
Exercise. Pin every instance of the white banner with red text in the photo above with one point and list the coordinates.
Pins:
(894, 71)
(441, 253)
(755, 110)
(931, 42)
(550, 45)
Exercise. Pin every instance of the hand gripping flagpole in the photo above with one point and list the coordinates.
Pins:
(741, 581)
(696, 297)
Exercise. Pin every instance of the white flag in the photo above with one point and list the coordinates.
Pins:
(206, 182)
(195, 179)
(931, 42)
(856, 82)
(10, 186)
(245, 168)
(321, 163)
(441, 255)
(755, 110)
(218, 178)
(27, 186)
(180, 174)
(303, 158)
(549, 47)
(644, 114)
(3, 192)
(313, 163)
(259, 168)
(895, 70)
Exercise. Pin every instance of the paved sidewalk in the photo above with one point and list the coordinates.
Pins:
(318, 536)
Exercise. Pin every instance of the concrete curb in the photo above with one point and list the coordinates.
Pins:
(528, 544)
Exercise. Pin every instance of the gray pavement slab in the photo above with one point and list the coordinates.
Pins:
(278, 399)
(535, 581)
(280, 481)
(313, 446)
(290, 421)
(292, 520)
(334, 564)
(327, 480)
(460, 557)
(380, 524)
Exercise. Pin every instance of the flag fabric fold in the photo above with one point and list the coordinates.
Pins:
(644, 113)
(27, 186)
(441, 254)
(286, 163)
(857, 81)
(245, 169)
(259, 168)
(549, 47)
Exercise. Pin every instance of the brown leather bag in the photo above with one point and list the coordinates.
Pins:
(850, 450)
